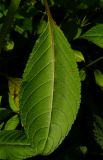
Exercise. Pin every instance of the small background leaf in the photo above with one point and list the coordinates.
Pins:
(95, 35)
(12, 123)
(82, 74)
(14, 89)
(41, 26)
(98, 77)
(98, 130)
(79, 56)
(9, 45)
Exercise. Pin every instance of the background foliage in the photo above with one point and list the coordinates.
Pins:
(82, 24)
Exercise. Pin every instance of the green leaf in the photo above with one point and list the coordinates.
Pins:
(9, 45)
(12, 104)
(95, 35)
(83, 150)
(98, 77)
(14, 89)
(12, 123)
(82, 74)
(78, 33)
(1, 125)
(19, 29)
(41, 26)
(14, 146)
(98, 130)
(50, 92)
(78, 55)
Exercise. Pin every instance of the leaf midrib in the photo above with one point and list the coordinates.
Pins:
(50, 25)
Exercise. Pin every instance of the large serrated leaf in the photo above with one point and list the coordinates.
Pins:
(14, 146)
(50, 93)
(95, 35)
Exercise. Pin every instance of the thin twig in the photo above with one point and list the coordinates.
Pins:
(93, 62)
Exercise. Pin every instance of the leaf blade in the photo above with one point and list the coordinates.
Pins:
(12, 123)
(48, 76)
(98, 77)
(14, 145)
(95, 35)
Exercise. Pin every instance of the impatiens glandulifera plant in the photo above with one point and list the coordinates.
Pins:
(46, 100)
(50, 92)
(49, 96)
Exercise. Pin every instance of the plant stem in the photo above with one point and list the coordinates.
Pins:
(8, 20)
(93, 62)
(47, 9)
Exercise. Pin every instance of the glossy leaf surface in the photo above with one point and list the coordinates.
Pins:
(50, 93)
